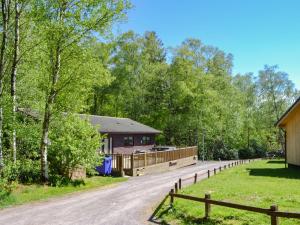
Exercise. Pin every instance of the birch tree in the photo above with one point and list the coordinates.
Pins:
(67, 24)
(5, 11)
(14, 69)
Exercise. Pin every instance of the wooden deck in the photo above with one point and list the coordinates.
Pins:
(128, 164)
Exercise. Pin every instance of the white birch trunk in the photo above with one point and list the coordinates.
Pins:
(14, 78)
(5, 18)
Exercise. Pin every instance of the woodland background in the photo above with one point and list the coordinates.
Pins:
(61, 56)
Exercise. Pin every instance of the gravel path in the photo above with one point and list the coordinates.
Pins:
(128, 203)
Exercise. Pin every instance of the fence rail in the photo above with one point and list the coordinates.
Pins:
(272, 211)
(214, 171)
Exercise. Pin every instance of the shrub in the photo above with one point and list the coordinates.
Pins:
(29, 171)
(254, 151)
(74, 143)
(10, 171)
(24, 171)
(225, 154)
(5, 188)
(246, 153)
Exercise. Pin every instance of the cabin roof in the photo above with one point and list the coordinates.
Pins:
(119, 125)
(106, 124)
(283, 118)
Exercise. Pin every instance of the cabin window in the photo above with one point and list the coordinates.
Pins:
(128, 141)
(145, 140)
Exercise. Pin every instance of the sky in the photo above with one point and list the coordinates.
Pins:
(256, 32)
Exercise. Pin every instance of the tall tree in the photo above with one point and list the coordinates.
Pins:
(5, 12)
(276, 93)
(14, 69)
(66, 25)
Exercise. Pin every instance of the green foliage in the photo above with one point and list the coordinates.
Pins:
(70, 62)
(5, 188)
(254, 151)
(24, 171)
(29, 171)
(74, 142)
(10, 172)
(28, 140)
(192, 94)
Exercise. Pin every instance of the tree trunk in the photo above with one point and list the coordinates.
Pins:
(48, 114)
(55, 63)
(14, 78)
(44, 144)
(5, 19)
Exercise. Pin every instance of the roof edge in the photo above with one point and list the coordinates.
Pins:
(285, 115)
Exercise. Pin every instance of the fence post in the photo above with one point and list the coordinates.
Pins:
(195, 178)
(207, 206)
(171, 197)
(179, 182)
(176, 188)
(131, 163)
(208, 173)
(220, 168)
(229, 165)
(224, 166)
(122, 165)
(274, 218)
(145, 159)
(215, 171)
(156, 157)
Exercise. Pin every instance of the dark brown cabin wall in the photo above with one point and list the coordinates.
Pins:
(118, 142)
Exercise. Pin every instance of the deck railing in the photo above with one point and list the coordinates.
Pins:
(125, 162)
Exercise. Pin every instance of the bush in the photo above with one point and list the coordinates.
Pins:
(10, 171)
(24, 171)
(246, 153)
(74, 143)
(29, 171)
(5, 188)
(225, 154)
(56, 180)
(60, 181)
(254, 151)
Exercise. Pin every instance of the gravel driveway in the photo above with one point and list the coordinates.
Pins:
(128, 203)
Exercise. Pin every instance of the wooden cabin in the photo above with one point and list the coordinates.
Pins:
(290, 122)
(123, 135)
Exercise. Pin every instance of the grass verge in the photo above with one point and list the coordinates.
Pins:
(260, 184)
(34, 192)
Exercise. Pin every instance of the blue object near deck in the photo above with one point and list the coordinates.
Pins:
(106, 167)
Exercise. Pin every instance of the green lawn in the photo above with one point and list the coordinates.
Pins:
(29, 193)
(260, 184)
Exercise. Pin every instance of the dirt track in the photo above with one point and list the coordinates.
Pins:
(128, 203)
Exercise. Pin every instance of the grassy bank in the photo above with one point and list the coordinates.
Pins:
(259, 184)
(29, 193)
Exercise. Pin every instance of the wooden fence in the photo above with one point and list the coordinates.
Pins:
(209, 173)
(272, 211)
(125, 163)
